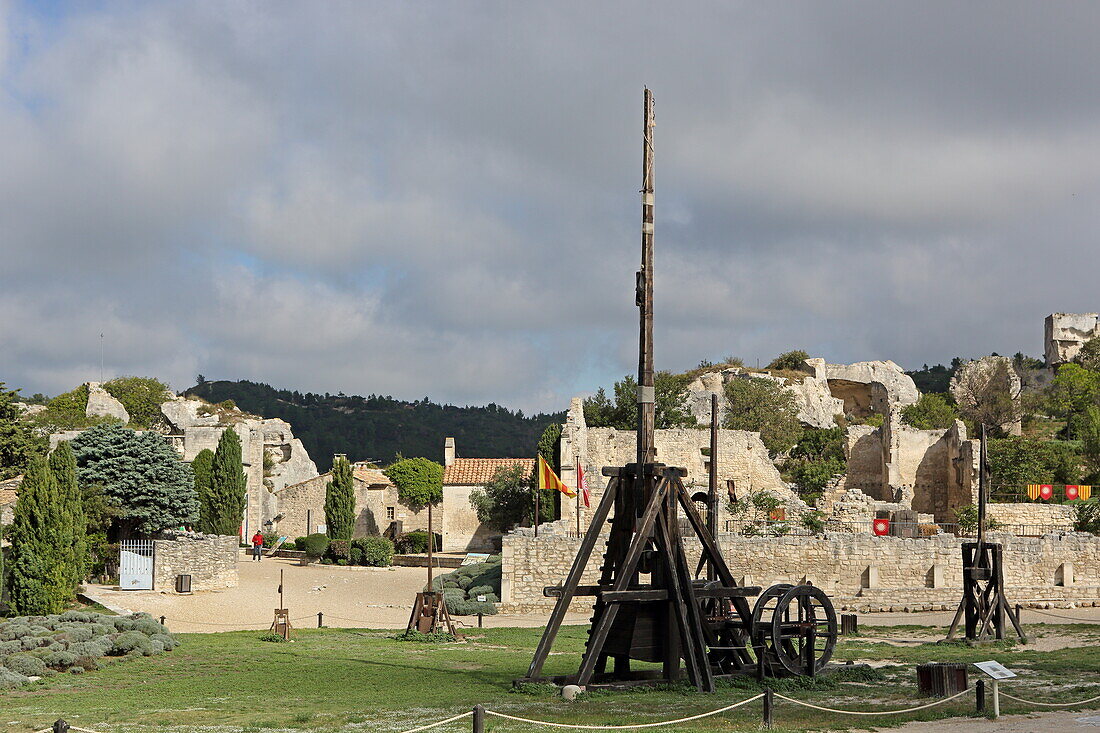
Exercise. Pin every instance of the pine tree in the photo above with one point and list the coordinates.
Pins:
(38, 577)
(74, 525)
(227, 485)
(202, 466)
(340, 501)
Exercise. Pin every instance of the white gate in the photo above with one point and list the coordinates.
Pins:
(135, 565)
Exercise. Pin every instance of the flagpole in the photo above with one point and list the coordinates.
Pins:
(537, 492)
(579, 490)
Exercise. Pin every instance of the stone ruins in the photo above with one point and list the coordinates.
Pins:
(1066, 333)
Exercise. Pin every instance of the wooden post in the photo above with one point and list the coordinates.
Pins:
(644, 297)
(320, 619)
(281, 604)
(580, 491)
(982, 493)
(479, 719)
(979, 697)
(537, 492)
(162, 618)
(769, 705)
(431, 542)
(712, 493)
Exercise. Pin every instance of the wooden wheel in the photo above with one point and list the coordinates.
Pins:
(794, 626)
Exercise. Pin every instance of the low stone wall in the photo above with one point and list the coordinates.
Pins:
(1055, 517)
(859, 571)
(210, 560)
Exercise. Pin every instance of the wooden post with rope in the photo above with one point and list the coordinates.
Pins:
(429, 613)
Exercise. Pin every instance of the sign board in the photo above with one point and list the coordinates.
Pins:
(473, 558)
(322, 529)
(481, 599)
(996, 670)
(280, 543)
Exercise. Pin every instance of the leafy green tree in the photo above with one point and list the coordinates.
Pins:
(1089, 355)
(1072, 391)
(202, 466)
(142, 397)
(39, 578)
(1089, 431)
(18, 440)
(227, 485)
(760, 405)
(791, 361)
(549, 447)
(140, 474)
(508, 499)
(74, 529)
(930, 412)
(419, 481)
(340, 501)
(670, 404)
(1015, 462)
(984, 396)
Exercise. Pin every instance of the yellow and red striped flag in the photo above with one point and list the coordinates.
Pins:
(549, 480)
(1033, 491)
(1084, 492)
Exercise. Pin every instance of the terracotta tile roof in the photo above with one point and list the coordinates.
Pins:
(7, 490)
(477, 471)
(371, 475)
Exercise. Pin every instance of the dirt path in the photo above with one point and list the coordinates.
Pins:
(348, 597)
(1035, 723)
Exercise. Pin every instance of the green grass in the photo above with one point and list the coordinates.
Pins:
(332, 679)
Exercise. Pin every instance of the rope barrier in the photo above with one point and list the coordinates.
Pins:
(1058, 615)
(624, 727)
(439, 723)
(872, 712)
(1048, 704)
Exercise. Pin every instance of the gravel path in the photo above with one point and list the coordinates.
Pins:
(379, 598)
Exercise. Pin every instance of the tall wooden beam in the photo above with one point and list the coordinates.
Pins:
(644, 296)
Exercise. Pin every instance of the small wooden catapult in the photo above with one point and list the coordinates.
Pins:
(429, 613)
(984, 603)
(281, 624)
(648, 607)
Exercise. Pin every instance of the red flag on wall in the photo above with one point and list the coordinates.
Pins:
(582, 484)
(1071, 492)
(881, 527)
(1046, 492)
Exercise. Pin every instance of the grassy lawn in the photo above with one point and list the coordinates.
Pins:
(330, 679)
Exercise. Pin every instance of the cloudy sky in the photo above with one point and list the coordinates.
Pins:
(441, 198)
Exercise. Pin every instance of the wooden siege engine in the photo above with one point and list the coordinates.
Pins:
(649, 610)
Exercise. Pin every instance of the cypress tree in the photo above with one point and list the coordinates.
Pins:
(74, 525)
(340, 501)
(227, 485)
(202, 466)
(38, 578)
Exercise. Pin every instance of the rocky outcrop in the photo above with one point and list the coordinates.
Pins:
(816, 405)
(1066, 333)
(867, 387)
(102, 404)
(981, 387)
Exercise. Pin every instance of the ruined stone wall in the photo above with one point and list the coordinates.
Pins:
(863, 448)
(210, 560)
(743, 462)
(1065, 333)
(1033, 515)
(857, 570)
(303, 507)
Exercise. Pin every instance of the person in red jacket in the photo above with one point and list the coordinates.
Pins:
(257, 547)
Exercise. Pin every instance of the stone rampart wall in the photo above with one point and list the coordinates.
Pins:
(1031, 514)
(210, 560)
(857, 570)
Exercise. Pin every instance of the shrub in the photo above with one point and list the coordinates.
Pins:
(930, 412)
(149, 626)
(167, 640)
(131, 642)
(10, 679)
(472, 608)
(315, 545)
(377, 551)
(1087, 517)
(9, 647)
(453, 596)
(339, 550)
(271, 539)
(89, 649)
(433, 638)
(479, 590)
(272, 637)
(25, 664)
(416, 542)
(789, 360)
(87, 663)
(355, 556)
(76, 670)
(60, 660)
(74, 632)
(122, 623)
(761, 405)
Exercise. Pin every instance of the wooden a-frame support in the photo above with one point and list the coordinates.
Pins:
(671, 594)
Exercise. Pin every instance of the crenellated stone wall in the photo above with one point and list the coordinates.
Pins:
(210, 560)
(857, 570)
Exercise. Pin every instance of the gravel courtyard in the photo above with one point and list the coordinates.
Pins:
(347, 596)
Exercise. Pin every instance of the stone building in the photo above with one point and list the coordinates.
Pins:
(301, 506)
(462, 530)
(8, 489)
(1066, 333)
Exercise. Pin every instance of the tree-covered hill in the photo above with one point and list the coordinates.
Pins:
(379, 428)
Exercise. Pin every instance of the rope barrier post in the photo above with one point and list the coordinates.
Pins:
(1019, 608)
(479, 719)
(996, 701)
(60, 726)
(320, 619)
(769, 702)
(162, 620)
(979, 697)
(479, 617)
